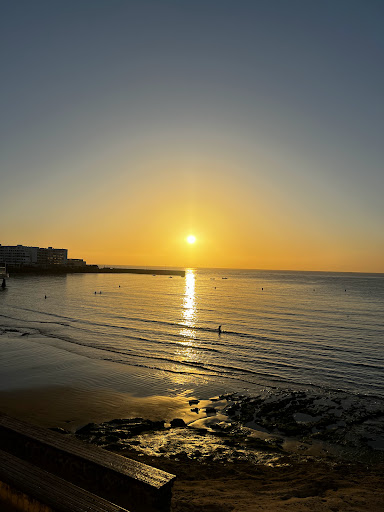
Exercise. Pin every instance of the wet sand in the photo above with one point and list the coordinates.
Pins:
(214, 472)
(72, 408)
(221, 481)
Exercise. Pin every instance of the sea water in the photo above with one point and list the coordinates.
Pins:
(278, 328)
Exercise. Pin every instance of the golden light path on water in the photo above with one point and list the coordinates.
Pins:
(189, 308)
(186, 352)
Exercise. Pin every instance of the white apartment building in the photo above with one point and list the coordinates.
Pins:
(24, 255)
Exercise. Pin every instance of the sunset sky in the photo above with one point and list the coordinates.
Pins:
(256, 126)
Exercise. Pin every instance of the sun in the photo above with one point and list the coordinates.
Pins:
(191, 239)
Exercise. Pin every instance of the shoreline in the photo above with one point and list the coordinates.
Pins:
(44, 383)
(230, 470)
(221, 463)
(99, 415)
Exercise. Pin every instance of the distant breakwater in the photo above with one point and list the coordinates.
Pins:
(88, 269)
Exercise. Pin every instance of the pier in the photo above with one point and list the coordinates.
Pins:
(89, 269)
(156, 272)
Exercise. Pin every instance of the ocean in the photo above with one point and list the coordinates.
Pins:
(279, 329)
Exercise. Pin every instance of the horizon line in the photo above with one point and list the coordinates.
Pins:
(236, 268)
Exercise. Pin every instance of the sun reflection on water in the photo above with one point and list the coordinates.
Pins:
(188, 364)
(189, 307)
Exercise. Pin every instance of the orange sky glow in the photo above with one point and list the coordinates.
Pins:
(123, 133)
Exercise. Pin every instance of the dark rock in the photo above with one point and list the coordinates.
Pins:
(137, 429)
(178, 422)
(231, 411)
(210, 410)
(114, 447)
(87, 429)
(219, 433)
(123, 434)
(183, 455)
(117, 430)
(112, 439)
(228, 396)
(157, 425)
(100, 441)
(126, 421)
(59, 430)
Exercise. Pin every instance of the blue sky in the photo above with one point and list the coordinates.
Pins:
(275, 105)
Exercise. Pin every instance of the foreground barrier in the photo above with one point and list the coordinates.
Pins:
(125, 482)
(28, 488)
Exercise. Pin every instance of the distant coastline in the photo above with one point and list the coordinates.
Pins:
(87, 269)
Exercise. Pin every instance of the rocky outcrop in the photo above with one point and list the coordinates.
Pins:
(238, 426)
(117, 430)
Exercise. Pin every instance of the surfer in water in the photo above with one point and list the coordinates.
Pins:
(219, 329)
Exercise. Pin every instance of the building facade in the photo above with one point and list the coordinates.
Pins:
(24, 255)
(51, 256)
(76, 262)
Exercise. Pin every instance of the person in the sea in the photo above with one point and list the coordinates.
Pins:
(219, 329)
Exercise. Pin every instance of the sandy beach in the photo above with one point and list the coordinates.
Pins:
(227, 482)
(220, 464)
(299, 485)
